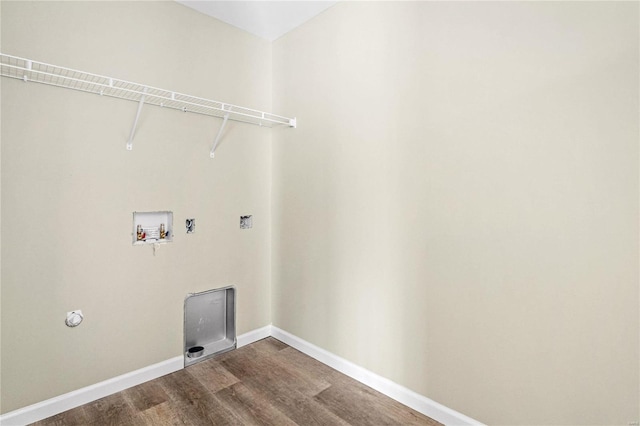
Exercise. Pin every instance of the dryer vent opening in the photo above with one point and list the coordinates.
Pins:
(209, 324)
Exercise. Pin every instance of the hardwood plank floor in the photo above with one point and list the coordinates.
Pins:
(265, 383)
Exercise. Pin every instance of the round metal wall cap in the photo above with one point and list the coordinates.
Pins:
(74, 318)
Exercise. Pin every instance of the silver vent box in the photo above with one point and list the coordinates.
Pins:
(209, 323)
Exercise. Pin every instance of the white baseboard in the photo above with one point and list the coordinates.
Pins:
(393, 390)
(67, 401)
(253, 336)
(59, 404)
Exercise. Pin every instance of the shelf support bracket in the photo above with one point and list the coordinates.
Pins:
(212, 154)
(135, 123)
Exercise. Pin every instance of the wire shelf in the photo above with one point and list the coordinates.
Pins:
(32, 71)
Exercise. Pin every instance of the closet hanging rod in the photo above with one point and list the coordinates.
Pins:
(39, 72)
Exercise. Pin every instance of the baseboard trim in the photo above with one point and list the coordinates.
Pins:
(67, 401)
(393, 390)
(59, 404)
(253, 336)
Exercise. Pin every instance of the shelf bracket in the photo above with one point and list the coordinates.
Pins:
(135, 122)
(212, 154)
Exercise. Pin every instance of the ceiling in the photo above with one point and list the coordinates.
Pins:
(266, 19)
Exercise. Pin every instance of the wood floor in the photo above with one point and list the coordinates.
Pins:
(265, 383)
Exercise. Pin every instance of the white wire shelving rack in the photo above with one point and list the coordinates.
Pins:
(29, 70)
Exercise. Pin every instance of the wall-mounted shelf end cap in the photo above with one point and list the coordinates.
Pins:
(293, 122)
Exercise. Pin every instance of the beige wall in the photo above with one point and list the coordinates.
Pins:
(458, 208)
(457, 211)
(0, 210)
(69, 188)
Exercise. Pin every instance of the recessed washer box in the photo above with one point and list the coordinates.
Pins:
(209, 322)
(148, 227)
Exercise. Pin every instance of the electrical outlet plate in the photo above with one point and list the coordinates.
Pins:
(246, 222)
